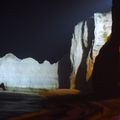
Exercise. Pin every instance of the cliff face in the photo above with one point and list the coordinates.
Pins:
(64, 71)
(103, 26)
(106, 73)
(27, 73)
(88, 38)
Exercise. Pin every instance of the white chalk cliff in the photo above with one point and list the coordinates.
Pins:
(27, 73)
(86, 42)
(83, 42)
(103, 24)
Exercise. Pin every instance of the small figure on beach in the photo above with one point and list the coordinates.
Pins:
(2, 86)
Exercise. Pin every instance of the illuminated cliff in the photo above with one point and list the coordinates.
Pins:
(88, 38)
(27, 73)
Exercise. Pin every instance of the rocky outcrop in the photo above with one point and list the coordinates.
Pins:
(64, 71)
(106, 73)
(88, 38)
(103, 25)
(72, 71)
(27, 73)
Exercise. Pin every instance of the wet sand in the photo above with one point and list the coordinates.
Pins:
(57, 105)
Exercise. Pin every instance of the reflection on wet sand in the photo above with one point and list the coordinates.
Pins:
(64, 105)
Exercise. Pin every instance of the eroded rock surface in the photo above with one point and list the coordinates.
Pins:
(88, 38)
(27, 73)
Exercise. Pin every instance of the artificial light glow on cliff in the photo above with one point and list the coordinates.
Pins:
(102, 30)
(28, 73)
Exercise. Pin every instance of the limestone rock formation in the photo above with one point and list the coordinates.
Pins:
(27, 73)
(103, 24)
(106, 73)
(64, 71)
(76, 52)
(88, 38)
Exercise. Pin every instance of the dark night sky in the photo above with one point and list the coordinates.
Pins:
(43, 29)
